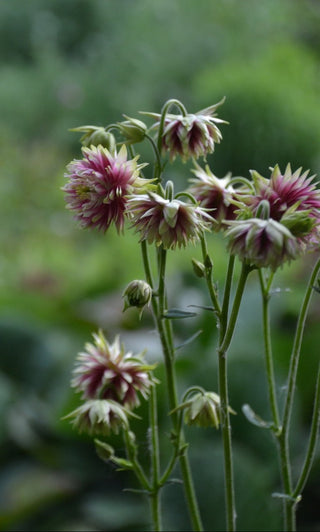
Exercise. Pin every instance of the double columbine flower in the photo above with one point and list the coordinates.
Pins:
(214, 194)
(190, 135)
(98, 186)
(280, 219)
(98, 416)
(202, 408)
(170, 222)
(106, 371)
(110, 380)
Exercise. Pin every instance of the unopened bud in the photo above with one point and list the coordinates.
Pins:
(95, 136)
(133, 130)
(198, 268)
(137, 294)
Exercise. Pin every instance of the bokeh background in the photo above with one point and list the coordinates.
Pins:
(66, 63)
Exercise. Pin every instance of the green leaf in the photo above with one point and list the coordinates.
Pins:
(189, 340)
(177, 314)
(254, 418)
(204, 307)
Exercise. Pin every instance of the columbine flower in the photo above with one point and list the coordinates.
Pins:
(263, 243)
(214, 194)
(203, 409)
(98, 416)
(168, 222)
(98, 185)
(105, 371)
(190, 135)
(286, 190)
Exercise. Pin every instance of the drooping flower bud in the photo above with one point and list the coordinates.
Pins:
(137, 294)
(95, 136)
(203, 409)
(133, 130)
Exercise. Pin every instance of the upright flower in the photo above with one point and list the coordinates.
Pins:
(98, 186)
(190, 135)
(214, 194)
(169, 222)
(106, 371)
(286, 190)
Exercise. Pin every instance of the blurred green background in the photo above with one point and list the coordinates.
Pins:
(65, 63)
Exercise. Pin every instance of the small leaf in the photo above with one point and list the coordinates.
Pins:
(122, 462)
(104, 450)
(189, 340)
(204, 307)
(278, 495)
(254, 418)
(178, 314)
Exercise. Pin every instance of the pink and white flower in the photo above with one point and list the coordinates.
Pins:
(167, 222)
(106, 371)
(214, 194)
(98, 186)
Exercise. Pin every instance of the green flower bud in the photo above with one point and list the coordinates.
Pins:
(203, 409)
(137, 294)
(198, 268)
(133, 130)
(95, 136)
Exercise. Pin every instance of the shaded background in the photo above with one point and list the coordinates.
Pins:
(69, 63)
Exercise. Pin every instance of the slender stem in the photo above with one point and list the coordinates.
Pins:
(295, 355)
(225, 340)
(158, 165)
(155, 461)
(312, 441)
(137, 468)
(226, 295)
(158, 308)
(265, 291)
(208, 273)
(290, 502)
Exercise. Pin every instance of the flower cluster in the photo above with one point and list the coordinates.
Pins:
(279, 220)
(110, 380)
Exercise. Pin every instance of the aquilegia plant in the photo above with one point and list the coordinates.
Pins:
(266, 222)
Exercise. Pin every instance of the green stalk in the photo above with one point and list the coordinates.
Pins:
(158, 308)
(290, 502)
(155, 462)
(265, 291)
(225, 340)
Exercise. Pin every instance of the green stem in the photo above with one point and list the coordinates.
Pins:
(265, 291)
(155, 461)
(158, 165)
(226, 296)
(208, 273)
(137, 468)
(290, 502)
(225, 340)
(312, 442)
(158, 308)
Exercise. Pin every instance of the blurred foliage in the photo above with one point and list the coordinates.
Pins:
(69, 63)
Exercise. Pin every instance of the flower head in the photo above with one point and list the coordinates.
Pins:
(283, 191)
(105, 371)
(99, 184)
(214, 194)
(203, 409)
(263, 243)
(100, 416)
(190, 135)
(169, 222)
